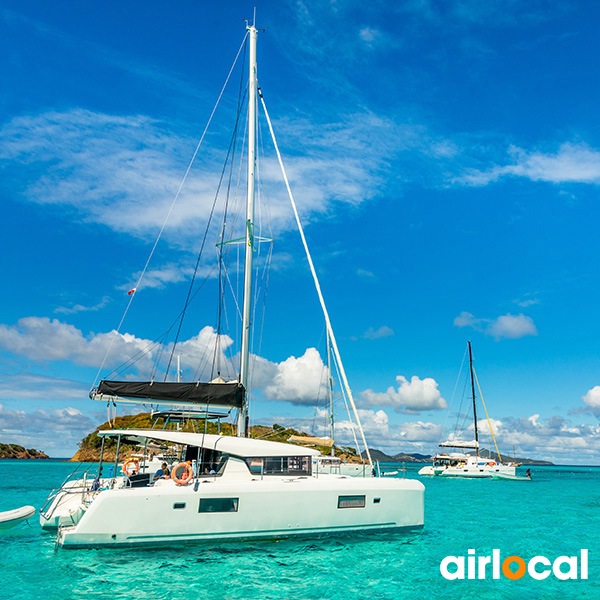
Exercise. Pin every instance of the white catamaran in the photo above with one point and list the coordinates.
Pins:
(459, 463)
(222, 487)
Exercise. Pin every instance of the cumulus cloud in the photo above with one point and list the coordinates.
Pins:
(410, 397)
(592, 400)
(300, 380)
(503, 327)
(44, 339)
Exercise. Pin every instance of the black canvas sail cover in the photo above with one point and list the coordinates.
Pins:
(212, 394)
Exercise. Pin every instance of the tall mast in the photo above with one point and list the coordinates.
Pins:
(247, 310)
(473, 392)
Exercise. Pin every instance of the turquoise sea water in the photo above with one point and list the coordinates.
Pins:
(556, 514)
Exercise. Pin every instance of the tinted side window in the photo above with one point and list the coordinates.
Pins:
(351, 501)
(218, 505)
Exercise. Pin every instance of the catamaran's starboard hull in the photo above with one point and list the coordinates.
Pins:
(170, 515)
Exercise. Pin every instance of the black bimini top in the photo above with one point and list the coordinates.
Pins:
(213, 394)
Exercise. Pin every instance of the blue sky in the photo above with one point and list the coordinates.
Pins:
(445, 160)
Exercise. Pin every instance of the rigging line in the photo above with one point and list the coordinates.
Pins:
(488, 417)
(320, 385)
(264, 184)
(171, 208)
(221, 291)
(191, 286)
(348, 411)
(455, 387)
(317, 284)
(159, 339)
(241, 98)
(235, 211)
(137, 356)
(266, 279)
(466, 415)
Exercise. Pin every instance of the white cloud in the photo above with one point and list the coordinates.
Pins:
(413, 397)
(554, 438)
(42, 339)
(379, 432)
(123, 171)
(503, 327)
(169, 273)
(298, 380)
(28, 386)
(373, 334)
(301, 380)
(53, 431)
(76, 308)
(526, 302)
(592, 398)
(483, 426)
(512, 326)
(572, 163)
(120, 171)
(420, 431)
(592, 401)
(371, 36)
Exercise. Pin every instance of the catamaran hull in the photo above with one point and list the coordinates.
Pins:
(171, 515)
(475, 472)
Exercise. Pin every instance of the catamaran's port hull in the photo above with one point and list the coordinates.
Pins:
(295, 508)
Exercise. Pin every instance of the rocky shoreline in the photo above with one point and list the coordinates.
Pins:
(16, 452)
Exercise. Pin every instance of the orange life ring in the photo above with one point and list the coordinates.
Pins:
(179, 477)
(131, 462)
(491, 464)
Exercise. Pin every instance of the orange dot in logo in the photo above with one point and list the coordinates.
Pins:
(508, 572)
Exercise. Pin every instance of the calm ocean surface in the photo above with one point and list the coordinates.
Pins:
(557, 514)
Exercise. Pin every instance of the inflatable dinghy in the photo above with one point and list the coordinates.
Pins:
(11, 518)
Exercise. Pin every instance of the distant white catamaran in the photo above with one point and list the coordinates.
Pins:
(461, 464)
(222, 488)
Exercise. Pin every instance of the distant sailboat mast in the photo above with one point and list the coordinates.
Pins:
(242, 425)
(474, 404)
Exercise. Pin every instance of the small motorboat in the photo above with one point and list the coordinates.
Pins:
(11, 518)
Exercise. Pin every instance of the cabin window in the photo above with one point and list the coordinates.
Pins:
(280, 465)
(214, 505)
(179, 505)
(351, 501)
(376, 500)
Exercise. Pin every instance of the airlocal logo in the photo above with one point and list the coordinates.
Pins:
(514, 567)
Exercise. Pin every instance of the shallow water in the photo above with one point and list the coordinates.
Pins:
(558, 513)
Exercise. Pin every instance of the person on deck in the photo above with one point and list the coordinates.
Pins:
(162, 473)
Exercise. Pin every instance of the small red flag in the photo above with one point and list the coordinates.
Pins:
(131, 292)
